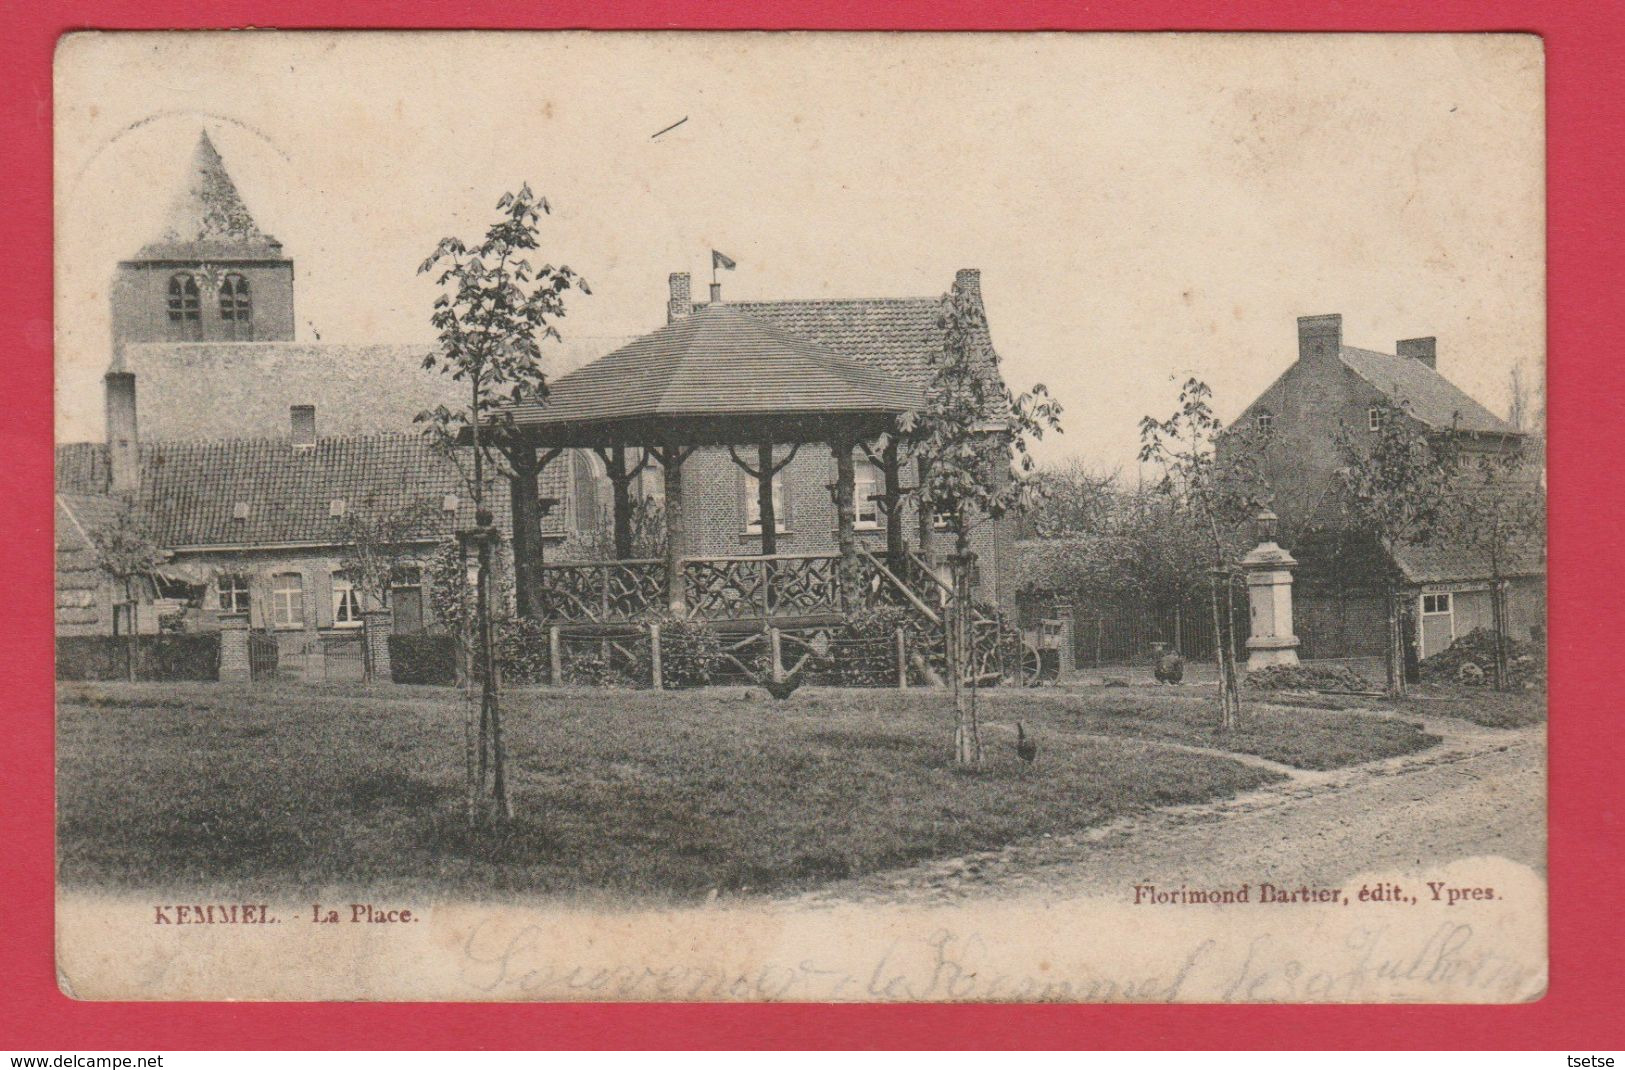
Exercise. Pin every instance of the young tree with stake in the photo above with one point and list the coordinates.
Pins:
(494, 310)
(964, 436)
(1219, 490)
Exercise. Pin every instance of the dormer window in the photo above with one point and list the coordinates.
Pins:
(336, 507)
(236, 310)
(185, 309)
(448, 504)
(240, 511)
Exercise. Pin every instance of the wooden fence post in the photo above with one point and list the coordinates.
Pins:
(654, 657)
(775, 661)
(555, 670)
(902, 660)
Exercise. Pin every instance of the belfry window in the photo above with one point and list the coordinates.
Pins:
(236, 309)
(185, 310)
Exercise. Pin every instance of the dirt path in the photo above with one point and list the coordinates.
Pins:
(1480, 792)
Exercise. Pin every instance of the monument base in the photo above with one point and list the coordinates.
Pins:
(1272, 650)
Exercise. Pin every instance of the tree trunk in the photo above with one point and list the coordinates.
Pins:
(490, 690)
(1396, 647)
(1499, 623)
(967, 731)
(1227, 697)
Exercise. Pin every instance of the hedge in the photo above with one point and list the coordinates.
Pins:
(178, 656)
(423, 658)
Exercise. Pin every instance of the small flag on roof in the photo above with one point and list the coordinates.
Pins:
(720, 260)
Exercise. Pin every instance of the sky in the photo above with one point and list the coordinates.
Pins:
(1143, 208)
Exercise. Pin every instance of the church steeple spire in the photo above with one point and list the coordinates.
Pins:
(208, 218)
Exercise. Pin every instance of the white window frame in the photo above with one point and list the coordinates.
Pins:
(867, 479)
(753, 515)
(346, 600)
(286, 599)
(1449, 603)
(1264, 421)
(1373, 419)
(233, 591)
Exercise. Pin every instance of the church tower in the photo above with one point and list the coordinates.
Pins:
(211, 276)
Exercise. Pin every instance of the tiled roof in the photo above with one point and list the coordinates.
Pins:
(719, 360)
(190, 492)
(208, 219)
(1426, 394)
(897, 333)
(80, 516)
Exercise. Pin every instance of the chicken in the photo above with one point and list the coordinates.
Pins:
(1026, 749)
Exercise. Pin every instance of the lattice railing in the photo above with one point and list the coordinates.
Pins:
(746, 588)
(603, 592)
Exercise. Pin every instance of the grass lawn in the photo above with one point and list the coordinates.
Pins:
(288, 790)
(1481, 705)
(1299, 736)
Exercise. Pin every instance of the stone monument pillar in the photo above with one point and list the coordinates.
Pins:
(1269, 599)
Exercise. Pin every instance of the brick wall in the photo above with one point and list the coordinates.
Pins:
(140, 301)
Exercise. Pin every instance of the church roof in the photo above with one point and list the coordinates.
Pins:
(208, 219)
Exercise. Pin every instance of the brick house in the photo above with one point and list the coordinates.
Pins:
(1340, 609)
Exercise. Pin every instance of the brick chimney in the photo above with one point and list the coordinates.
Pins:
(681, 303)
(969, 280)
(1425, 350)
(302, 419)
(716, 293)
(123, 442)
(1320, 336)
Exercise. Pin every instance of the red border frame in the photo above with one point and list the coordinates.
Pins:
(1586, 158)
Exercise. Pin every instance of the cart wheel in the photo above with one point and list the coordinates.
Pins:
(1032, 666)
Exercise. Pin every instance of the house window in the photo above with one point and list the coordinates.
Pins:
(1436, 603)
(868, 481)
(1265, 422)
(346, 601)
(185, 310)
(236, 310)
(287, 600)
(233, 594)
(753, 511)
(1373, 417)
